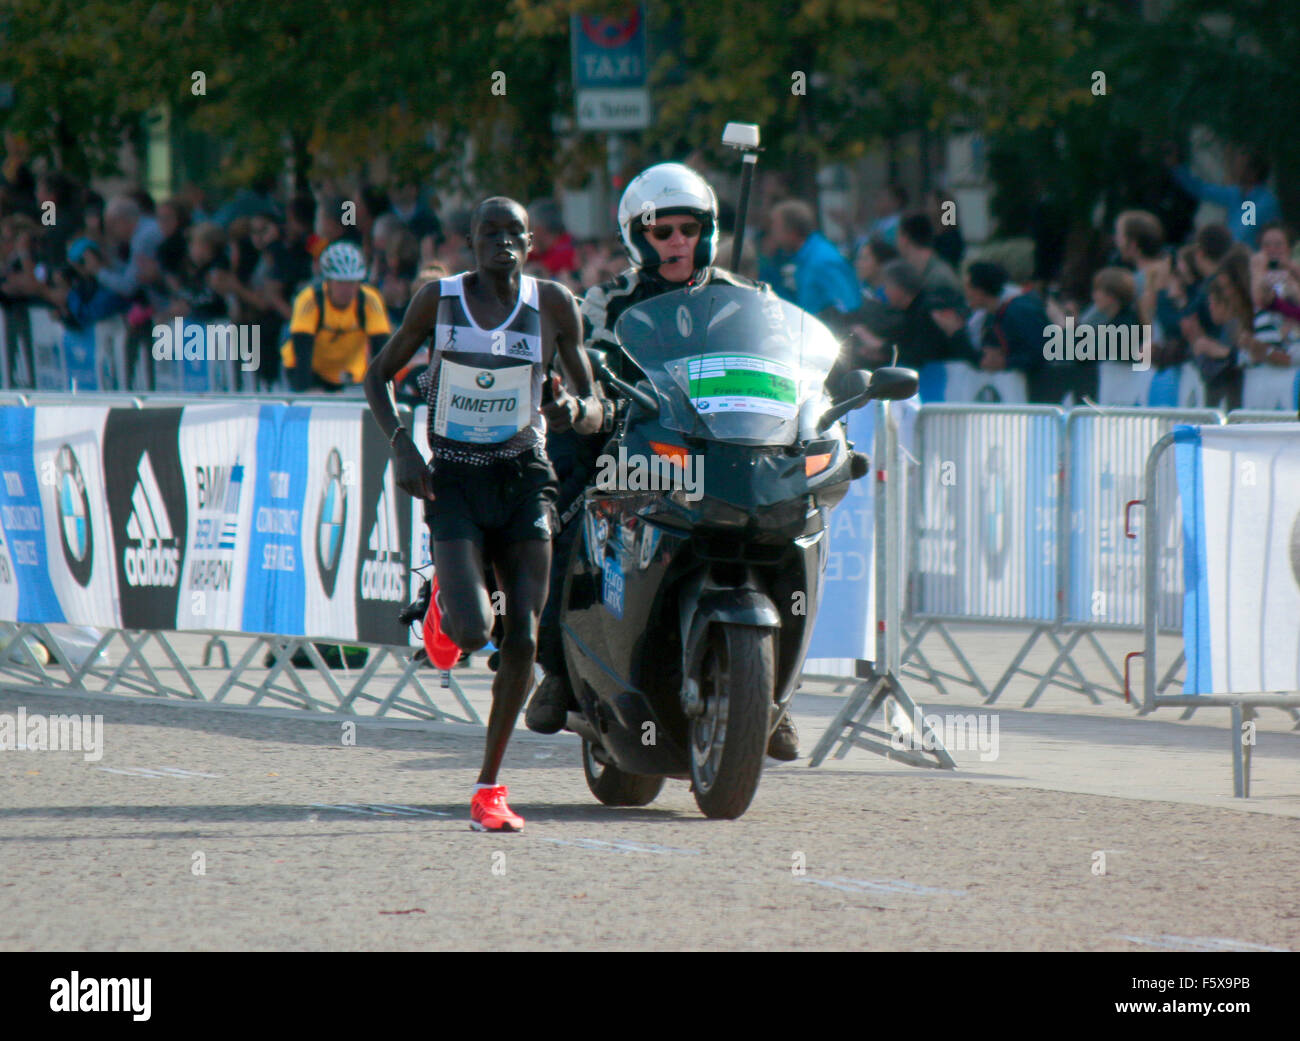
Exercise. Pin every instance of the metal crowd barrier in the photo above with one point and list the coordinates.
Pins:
(1163, 507)
(985, 488)
(1021, 518)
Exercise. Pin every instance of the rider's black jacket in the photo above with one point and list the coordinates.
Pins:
(605, 303)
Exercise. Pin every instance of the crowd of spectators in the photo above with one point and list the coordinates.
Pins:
(1226, 299)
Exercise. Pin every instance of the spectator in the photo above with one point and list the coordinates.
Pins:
(1275, 338)
(264, 297)
(18, 276)
(395, 265)
(63, 194)
(1114, 297)
(1140, 240)
(1014, 333)
(870, 262)
(1174, 301)
(411, 211)
(823, 279)
(931, 327)
(891, 201)
(1212, 245)
(174, 223)
(85, 300)
(127, 227)
(552, 244)
(1274, 254)
(1232, 313)
(948, 241)
(1249, 171)
(916, 246)
(198, 293)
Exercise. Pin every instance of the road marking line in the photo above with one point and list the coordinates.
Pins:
(1200, 943)
(621, 846)
(378, 809)
(144, 771)
(884, 885)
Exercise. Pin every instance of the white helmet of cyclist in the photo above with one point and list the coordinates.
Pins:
(666, 190)
(343, 262)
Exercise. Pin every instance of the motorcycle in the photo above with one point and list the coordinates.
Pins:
(691, 594)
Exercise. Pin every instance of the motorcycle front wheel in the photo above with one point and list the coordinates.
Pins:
(615, 787)
(737, 676)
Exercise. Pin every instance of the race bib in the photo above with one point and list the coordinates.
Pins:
(742, 383)
(482, 406)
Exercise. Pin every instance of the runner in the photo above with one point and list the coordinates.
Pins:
(668, 221)
(489, 489)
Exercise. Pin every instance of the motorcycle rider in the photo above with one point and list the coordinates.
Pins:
(668, 222)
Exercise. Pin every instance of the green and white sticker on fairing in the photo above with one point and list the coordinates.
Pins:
(742, 383)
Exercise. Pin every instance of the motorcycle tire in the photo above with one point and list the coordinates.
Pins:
(737, 676)
(615, 787)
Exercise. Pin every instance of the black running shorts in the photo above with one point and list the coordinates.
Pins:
(502, 502)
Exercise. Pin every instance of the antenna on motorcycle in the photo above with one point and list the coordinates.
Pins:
(744, 138)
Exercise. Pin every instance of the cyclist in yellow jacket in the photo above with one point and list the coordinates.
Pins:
(336, 327)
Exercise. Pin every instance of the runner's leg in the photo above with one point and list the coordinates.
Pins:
(466, 609)
(522, 571)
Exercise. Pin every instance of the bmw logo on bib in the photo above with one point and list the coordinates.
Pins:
(485, 379)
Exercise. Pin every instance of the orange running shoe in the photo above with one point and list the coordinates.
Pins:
(441, 650)
(488, 811)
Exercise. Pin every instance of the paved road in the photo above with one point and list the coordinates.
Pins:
(309, 843)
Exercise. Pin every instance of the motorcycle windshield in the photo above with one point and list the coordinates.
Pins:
(731, 363)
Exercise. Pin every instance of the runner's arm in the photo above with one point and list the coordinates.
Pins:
(412, 473)
(563, 309)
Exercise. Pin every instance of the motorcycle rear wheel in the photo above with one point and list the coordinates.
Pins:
(737, 676)
(615, 787)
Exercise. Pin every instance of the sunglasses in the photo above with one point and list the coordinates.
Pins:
(663, 232)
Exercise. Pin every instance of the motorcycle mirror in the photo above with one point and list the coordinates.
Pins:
(893, 383)
(853, 390)
(600, 368)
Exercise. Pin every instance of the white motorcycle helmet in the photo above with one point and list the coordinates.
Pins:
(667, 189)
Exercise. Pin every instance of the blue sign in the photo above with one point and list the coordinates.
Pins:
(609, 51)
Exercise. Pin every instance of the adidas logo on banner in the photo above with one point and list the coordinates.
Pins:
(151, 563)
(383, 576)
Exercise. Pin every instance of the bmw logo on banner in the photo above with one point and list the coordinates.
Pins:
(331, 522)
(75, 526)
